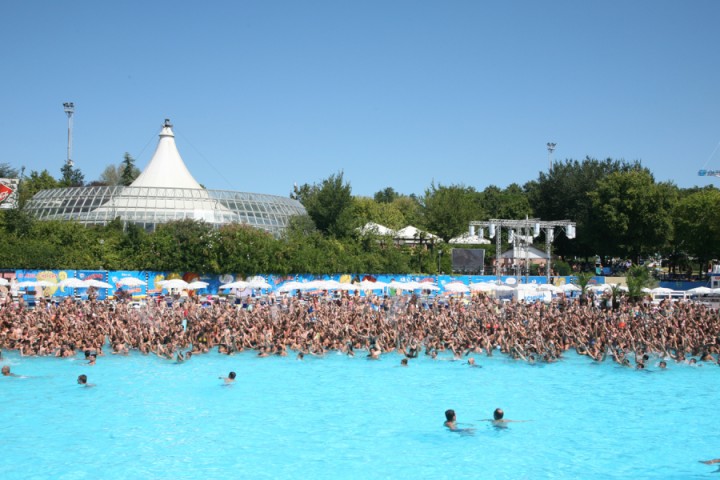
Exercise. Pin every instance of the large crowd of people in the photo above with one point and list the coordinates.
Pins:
(374, 325)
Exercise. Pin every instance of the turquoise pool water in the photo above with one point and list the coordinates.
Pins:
(339, 417)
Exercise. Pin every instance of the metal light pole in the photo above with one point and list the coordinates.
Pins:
(69, 110)
(551, 149)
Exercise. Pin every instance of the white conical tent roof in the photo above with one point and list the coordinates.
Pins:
(166, 167)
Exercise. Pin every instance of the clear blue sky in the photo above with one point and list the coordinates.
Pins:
(397, 93)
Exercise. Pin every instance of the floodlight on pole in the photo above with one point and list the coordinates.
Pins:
(551, 149)
(69, 110)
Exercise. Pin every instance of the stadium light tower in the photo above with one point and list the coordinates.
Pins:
(551, 149)
(69, 110)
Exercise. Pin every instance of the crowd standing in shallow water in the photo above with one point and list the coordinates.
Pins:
(410, 325)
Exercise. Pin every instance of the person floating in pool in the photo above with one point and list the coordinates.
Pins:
(82, 380)
(404, 362)
(450, 419)
(229, 379)
(7, 373)
(471, 363)
(712, 462)
(499, 421)
(451, 423)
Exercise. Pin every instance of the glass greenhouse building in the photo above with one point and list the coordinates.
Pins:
(164, 191)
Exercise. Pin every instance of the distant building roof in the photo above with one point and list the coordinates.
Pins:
(163, 192)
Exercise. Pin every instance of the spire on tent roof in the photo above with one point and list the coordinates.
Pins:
(166, 167)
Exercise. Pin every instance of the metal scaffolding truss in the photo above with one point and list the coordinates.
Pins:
(520, 234)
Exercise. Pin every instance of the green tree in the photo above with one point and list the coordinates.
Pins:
(8, 171)
(637, 278)
(32, 184)
(325, 203)
(71, 176)
(410, 208)
(246, 250)
(449, 210)
(510, 203)
(634, 213)
(110, 176)
(388, 195)
(364, 210)
(562, 194)
(181, 245)
(696, 222)
(129, 172)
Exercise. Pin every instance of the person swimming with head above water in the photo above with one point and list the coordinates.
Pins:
(7, 373)
(229, 379)
(450, 419)
(499, 419)
(82, 380)
(451, 423)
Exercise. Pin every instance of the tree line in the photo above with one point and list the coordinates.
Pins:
(619, 208)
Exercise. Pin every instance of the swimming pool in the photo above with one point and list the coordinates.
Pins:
(340, 417)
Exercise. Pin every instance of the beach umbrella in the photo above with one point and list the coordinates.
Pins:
(197, 285)
(258, 282)
(401, 285)
(661, 291)
(570, 287)
(369, 285)
(240, 285)
(456, 287)
(504, 288)
(600, 288)
(72, 283)
(328, 285)
(428, 286)
(97, 283)
(130, 282)
(174, 284)
(549, 287)
(286, 287)
(349, 287)
(700, 290)
(482, 287)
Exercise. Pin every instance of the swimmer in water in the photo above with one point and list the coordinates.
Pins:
(404, 362)
(662, 365)
(82, 380)
(7, 373)
(229, 379)
(450, 419)
(471, 362)
(499, 421)
(451, 424)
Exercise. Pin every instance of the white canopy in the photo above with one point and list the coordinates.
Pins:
(411, 233)
(376, 229)
(166, 168)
